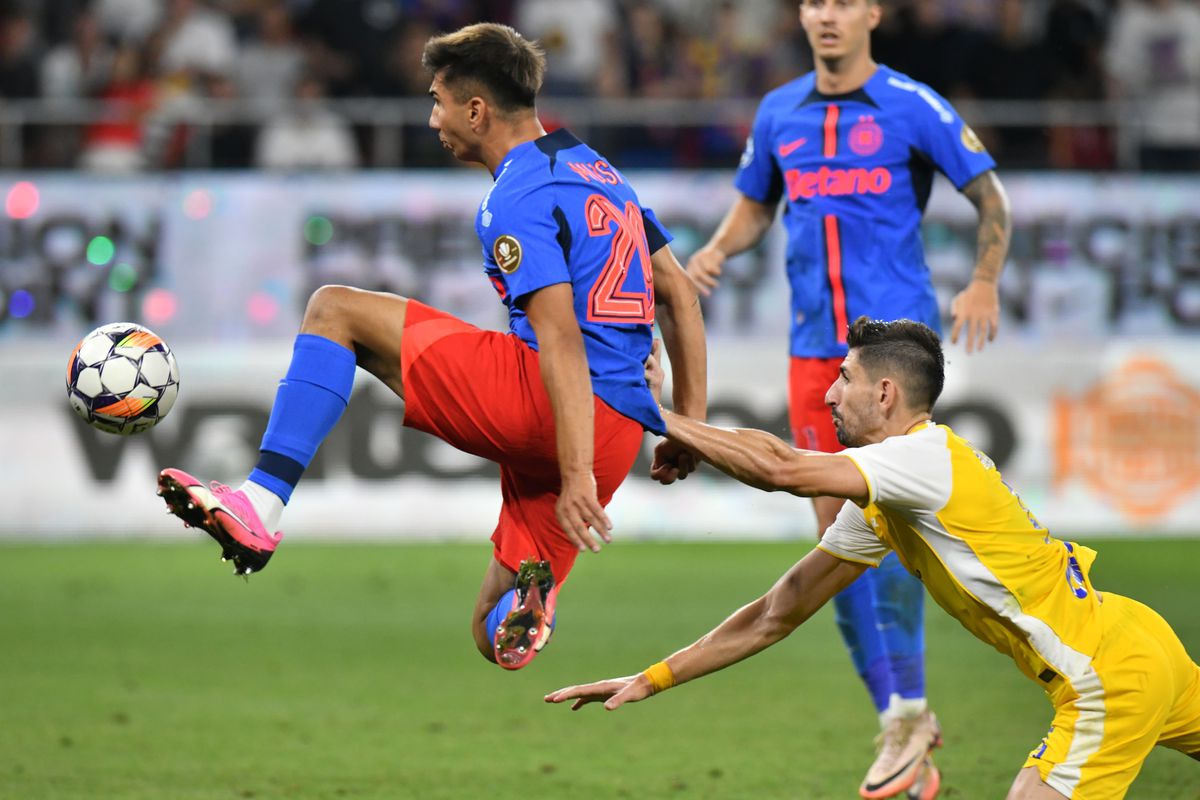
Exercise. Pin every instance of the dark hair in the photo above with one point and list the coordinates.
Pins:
(909, 350)
(491, 57)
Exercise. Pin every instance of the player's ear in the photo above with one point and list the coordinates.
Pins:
(477, 109)
(874, 13)
(887, 393)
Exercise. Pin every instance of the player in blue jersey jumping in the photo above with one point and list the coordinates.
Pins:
(851, 148)
(559, 401)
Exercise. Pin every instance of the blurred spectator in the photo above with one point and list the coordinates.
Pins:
(270, 66)
(1022, 53)
(77, 69)
(916, 38)
(575, 35)
(651, 53)
(976, 15)
(728, 64)
(787, 52)
(346, 41)
(402, 74)
(196, 40)
(308, 136)
(115, 144)
(129, 20)
(19, 55)
(80, 67)
(1153, 58)
(753, 25)
(1037, 50)
(1023, 78)
(1074, 32)
(231, 142)
(55, 19)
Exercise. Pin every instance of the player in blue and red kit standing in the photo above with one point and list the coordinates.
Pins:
(851, 148)
(559, 401)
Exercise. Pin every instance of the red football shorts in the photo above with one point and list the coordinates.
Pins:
(482, 392)
(812, 424)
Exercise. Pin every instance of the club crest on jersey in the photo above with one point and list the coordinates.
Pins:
(507, 252)
(970, 140)
(866, 137)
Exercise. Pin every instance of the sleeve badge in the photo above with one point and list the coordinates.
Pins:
(507, 252)
(970, 140)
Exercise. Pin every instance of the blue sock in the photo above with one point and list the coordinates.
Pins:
(900, 609)
(309, 402)
(499, 612)
(855, 607)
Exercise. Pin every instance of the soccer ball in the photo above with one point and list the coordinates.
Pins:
(122, 378)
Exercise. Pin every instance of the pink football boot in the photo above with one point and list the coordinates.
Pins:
(527, 628)
(224, 514)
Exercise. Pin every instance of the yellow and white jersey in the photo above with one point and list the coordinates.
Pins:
(943, 507)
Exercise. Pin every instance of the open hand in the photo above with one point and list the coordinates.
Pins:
(976, 308)
(579, 512)
(614, 692)
(704, 268)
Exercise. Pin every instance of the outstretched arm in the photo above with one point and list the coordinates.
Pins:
(977, 308)
(564, 368)
(758, 459)
(744, 226)
(794, 598)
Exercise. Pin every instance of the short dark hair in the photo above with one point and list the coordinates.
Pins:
(909, 350)
(491, 57)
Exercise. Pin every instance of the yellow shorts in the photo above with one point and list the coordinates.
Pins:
(1145, 692)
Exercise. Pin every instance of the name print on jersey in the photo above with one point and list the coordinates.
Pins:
(599, 171)
(826, 182)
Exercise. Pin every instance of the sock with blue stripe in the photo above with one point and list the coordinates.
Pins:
(900, 611)
(855, 614)
(499, 612)
(309, 402)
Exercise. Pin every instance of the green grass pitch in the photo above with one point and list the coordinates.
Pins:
(145, 670)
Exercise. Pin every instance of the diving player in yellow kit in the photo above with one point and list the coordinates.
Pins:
(1118, 676)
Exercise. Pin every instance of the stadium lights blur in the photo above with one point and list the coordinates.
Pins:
(22, 200)
(159, 306)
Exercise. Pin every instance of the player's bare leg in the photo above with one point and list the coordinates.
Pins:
(497, 580)
(342, 327)
(1030, 786)
(369, 323)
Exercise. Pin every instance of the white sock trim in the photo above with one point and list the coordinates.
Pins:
(903, 708)
(267, 504)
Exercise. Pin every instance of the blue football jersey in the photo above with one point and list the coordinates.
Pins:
(856, 171)
(560, 213)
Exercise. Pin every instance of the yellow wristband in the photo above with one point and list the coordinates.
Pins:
(660, 676)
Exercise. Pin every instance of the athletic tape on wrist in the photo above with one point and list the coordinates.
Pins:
(660, 676)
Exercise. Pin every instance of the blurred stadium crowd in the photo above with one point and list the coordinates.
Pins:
(112, 84)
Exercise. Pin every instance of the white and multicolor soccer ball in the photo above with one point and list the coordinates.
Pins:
(122, 378)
